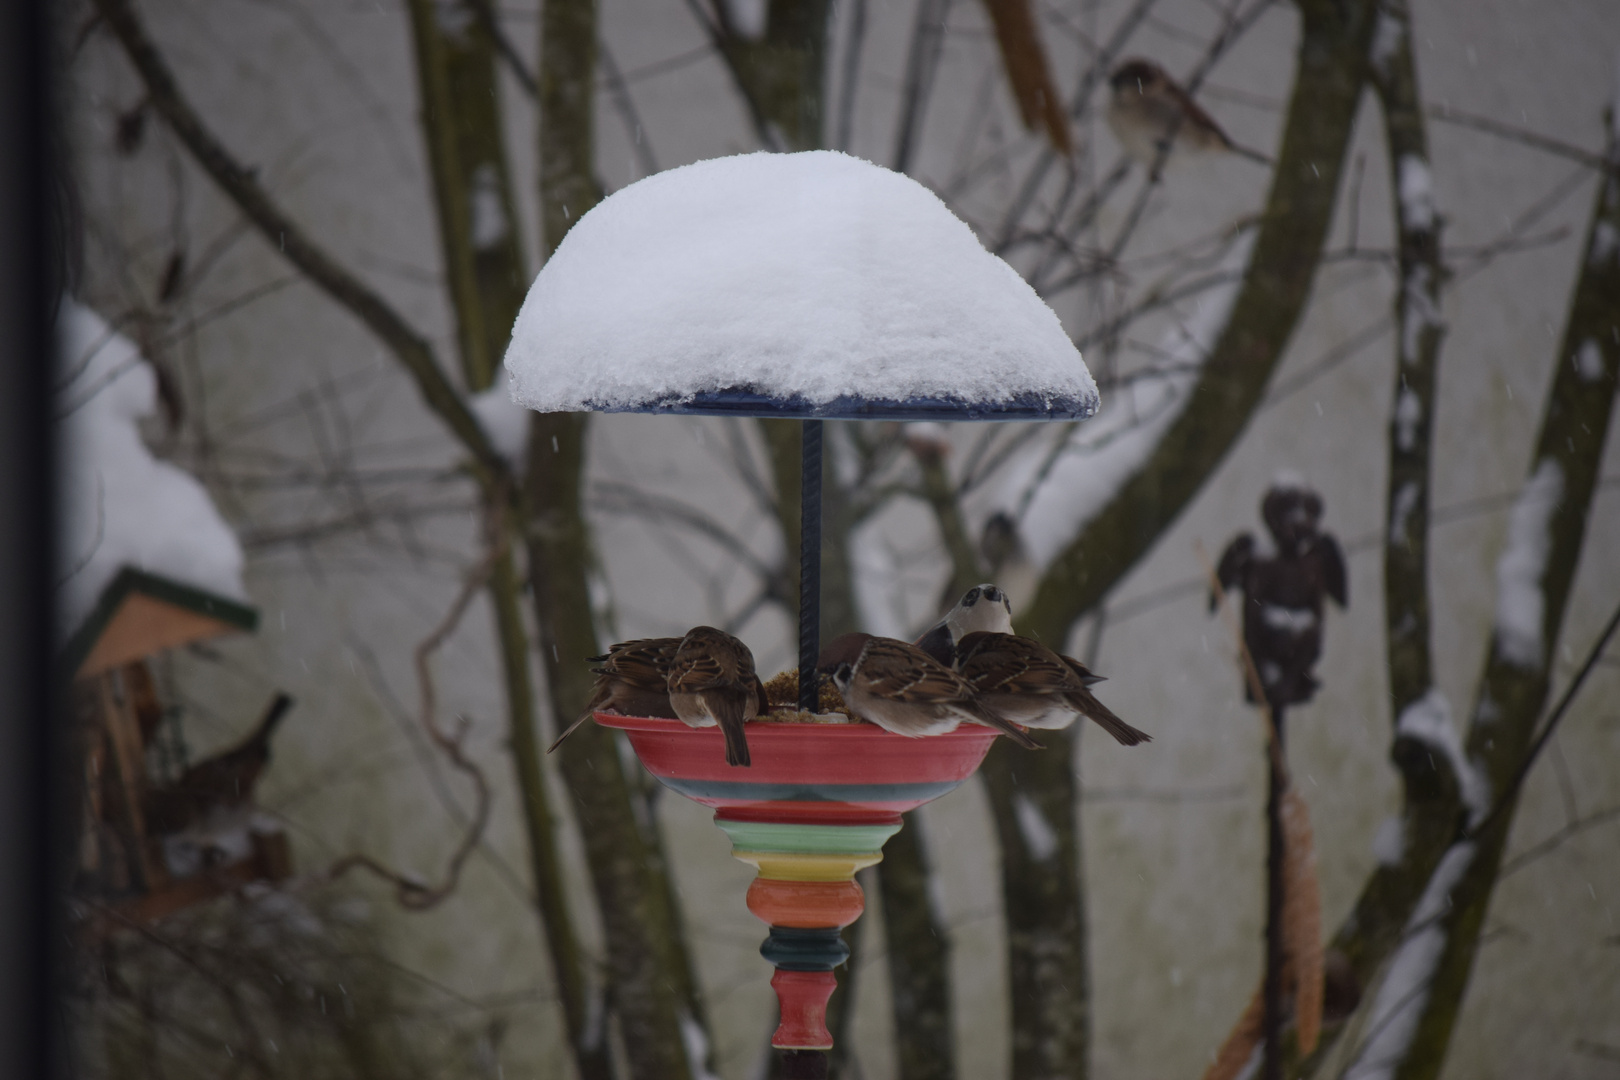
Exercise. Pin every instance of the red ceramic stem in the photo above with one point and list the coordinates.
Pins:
(803, 996)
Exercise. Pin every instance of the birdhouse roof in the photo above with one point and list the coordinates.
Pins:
(812, 284)
(141, 614)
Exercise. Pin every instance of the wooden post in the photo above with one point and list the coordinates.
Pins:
(124, 733)
(1272, 1061)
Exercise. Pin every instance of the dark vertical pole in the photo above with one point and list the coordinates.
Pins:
(30, 281)
(809, 564)
(804, 1064)
(1272, 1062)
(808, 1064)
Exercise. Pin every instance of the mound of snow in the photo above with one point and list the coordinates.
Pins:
(813, 277)
(120, 505)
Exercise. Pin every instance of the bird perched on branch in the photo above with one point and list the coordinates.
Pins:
(633, 680)
(1030, 684)
(1148, 111)
(1283, 592)
(712, 681)
(224, 781)
(1006, 554)
(983, 607)
(902, 689)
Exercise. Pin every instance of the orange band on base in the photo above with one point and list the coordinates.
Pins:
(806, 904)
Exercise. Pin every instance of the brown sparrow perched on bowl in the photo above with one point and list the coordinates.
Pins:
(983, 607)
(712, 681)
(632, 681)
(1148, 109)
(902, 689)
(1030, 684)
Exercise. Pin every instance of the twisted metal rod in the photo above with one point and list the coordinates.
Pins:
(809, 564)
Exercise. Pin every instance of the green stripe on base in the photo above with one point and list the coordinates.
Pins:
(809, 839)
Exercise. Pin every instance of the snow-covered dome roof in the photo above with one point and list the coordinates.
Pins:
(789, 284)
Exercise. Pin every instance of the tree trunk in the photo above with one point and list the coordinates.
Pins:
(919, 978)
(1276, 286)
(653, 992)
(1046, 940)
(461, 122)
(472, 188)
(635, 921)
(1413, 1019)
(1430, 794)
(1033, 798)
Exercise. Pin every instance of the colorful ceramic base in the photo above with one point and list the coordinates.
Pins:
(817, 805)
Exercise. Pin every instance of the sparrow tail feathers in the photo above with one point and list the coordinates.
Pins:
(273, 715)
(1007, 728)
(728, 709)
(584, 716)
(1104, 718)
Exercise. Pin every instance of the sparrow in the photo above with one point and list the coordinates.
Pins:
(1283, 592)
(902, 689)
(983, 607)
(632, 681)
(712, 681)
(1005, 554)
(223, 781)
(1148, 109)
(1030, 684)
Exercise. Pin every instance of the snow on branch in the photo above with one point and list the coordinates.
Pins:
(1520, 602)
(1405, 990)
(1428, 720)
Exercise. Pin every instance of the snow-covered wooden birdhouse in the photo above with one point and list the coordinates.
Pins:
(150, 566)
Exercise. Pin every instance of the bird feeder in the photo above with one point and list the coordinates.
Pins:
(121, 851)
(813, 286)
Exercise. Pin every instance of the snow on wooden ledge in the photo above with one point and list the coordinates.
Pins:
(811, 284)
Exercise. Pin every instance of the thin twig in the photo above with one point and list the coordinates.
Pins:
(1456, 117)
(922, 61)
(1557, 839)
(625, 106)
(504, 48)
(411, 892)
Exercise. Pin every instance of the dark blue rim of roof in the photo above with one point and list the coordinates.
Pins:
(753, 403)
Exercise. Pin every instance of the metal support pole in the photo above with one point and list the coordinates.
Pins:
(809, 564)
(1271, 1025)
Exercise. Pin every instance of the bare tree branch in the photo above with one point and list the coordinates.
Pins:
(412, 892)
(1553, 508)
(241, 186)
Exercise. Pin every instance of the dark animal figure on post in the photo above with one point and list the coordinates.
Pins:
(1283, 591)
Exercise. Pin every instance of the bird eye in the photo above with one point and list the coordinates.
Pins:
(971, 598)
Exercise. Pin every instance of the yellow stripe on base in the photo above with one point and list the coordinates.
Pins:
(805, 866)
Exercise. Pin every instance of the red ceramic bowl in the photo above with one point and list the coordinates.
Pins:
(811, 773)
